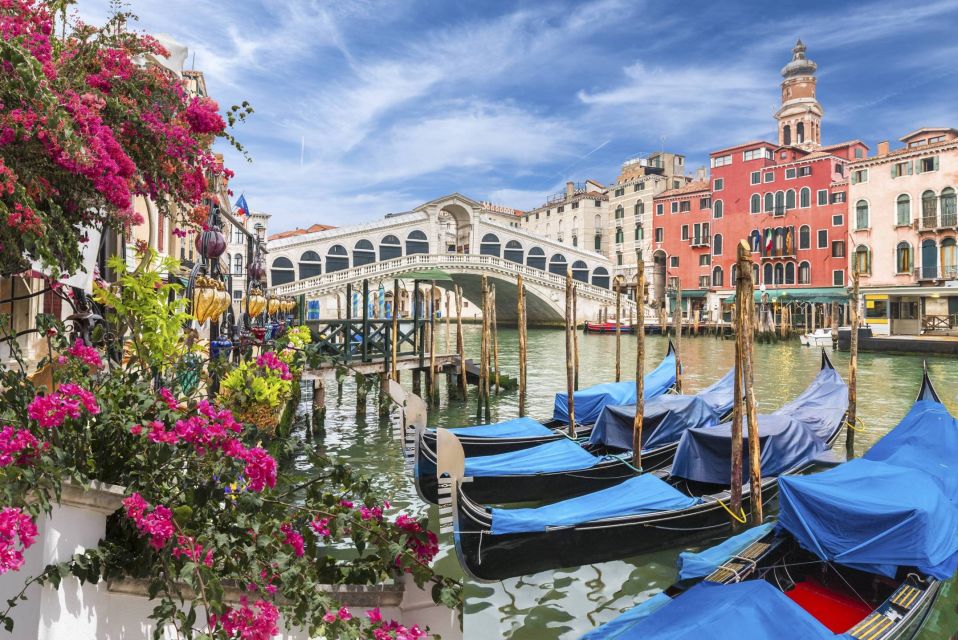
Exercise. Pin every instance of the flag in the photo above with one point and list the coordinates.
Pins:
(768, 241)
(241, 207)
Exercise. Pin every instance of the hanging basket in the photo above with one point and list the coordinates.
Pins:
(264, 417)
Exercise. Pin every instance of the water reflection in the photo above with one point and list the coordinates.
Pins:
(566, 603)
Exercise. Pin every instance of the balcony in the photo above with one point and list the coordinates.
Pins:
(948, 272)
(946, 219)
(702, 240)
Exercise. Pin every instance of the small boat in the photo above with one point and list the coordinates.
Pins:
(565, 468)
(860, 551)
(608, 327)
(821, 338)
(522, 433)
(646, 512)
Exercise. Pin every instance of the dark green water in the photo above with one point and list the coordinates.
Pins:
(567, 603)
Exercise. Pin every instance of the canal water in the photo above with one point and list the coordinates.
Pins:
(567, 603)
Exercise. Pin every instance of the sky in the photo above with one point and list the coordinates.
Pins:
(369, 107)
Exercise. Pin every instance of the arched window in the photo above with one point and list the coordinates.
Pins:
(717, 244)
(717, 209)
(558, 264)
(490, 245)
(755, 240)
(389, 248)
(767, 273)
(779, 242)
(903, 259)
(929, 209)
(416, 242)
(861, 261)
(929, 258)
(513, 252)
(755, 273)
(769, 202)
(861, 214)
(804, 237)
(904, 210)
(640, 208)
(805, 198)
(337, 258)
(238, 264)
(717, 280)
(949, 211)
(787, 135)
(619, 235)
(310, 265)
(756, 203)
(804, 273)
(779, 201)
(733, 272)
(619, 212)
(638, 231)
(949, 258)
(536, 259)
(790, 199)
(779, 273)
(790, 273)
(281, 271)
(363, 253)
(600, 277)
(580, 271)
(800, 132)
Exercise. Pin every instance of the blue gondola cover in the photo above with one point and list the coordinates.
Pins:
(590, 402)
(619, 627)
(671, 415)
(560, 455)
(516, 428)
(791, 436)
(702, 563)
(642, 494)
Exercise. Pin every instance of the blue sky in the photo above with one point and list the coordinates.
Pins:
(402, 102)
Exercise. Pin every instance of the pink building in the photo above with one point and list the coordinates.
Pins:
(903, 225)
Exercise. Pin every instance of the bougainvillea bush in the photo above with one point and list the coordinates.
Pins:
(86, 126)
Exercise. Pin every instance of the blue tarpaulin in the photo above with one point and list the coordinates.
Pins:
(665, 418)
(641, 494)
(702, 563)
(789, 437)
(561, 455)
(590, 402)
(619, 627)
(517, 428)
(750, 609)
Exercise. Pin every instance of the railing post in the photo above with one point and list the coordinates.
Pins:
(365, 330)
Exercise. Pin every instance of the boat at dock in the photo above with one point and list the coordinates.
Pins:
(860, 551)
(608, 327)
(646, 512)
(820, 338)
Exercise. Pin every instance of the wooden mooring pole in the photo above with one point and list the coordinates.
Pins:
(523, 344)
(495, 337)
(744, 272)
(751, 411)
(575, 334)
(618, 333)
(677, 321)
(569, 368)
(460, 344)
(852, 371)
(639, 364)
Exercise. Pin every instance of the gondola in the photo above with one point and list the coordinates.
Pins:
(565, 468)
(860, 551)
(521, 433)
(607, 327)
(650, 511)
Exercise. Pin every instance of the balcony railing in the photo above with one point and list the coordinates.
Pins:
(946, 219)
(702, 240)
(948, 272)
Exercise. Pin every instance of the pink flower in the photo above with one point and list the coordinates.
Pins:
(136, 429)
(203, 117)
(330, 617)
(370, 513)
(249, 624)
(157, 524)
(346, 503)
(269, 360)
(17, 534)
(294, 539)
(85, 354)
(344, 614)
(51, 410)
(321, 527)
(425, 549)
(17, 446)
(260, 469)
(374, 615)
(179, 233)
(168, 398)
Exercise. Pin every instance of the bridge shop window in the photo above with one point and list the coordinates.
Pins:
(389, 248)
(310, 264)
(580, 271)
(337, 258)
(416, 242)
(536, 259)
(281, 271)
(363, 253)
(513, 252)
(600, 277)
(490, 245)
(558, 264)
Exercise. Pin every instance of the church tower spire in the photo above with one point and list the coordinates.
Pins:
(800, 116)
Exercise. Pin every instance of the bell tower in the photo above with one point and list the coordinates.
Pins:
(800, 116)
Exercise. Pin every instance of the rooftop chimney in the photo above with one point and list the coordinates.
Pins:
(569, 188)
(883, 148)
(700, 174)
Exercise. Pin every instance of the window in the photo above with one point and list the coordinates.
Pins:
(717, 278)
(936, 139)
(822, 197)
(779, 274)
(838, 220)
(779, 202)
(903, 257)
(769, 176)
(705, 260)
(619, 236)
(804, 237)
(838, 278)
(704, 282)
(800, 132)
(676, 184)
(756, 154)
(949, 210)
(755, 203)
(838, 248)
(659, 209)
(721, 161)
(560, 209)
(705, 203)
(719, 184)
(928, 164)
(575, 205)
(790, 199)
(717, 209)
(619, 192)
(904, 210)
(659, 234)
(685, 232)
(639, 187)
(597, 203)
(238, 264)
(822, 238)
(861, 261)
(685, 206)
(769, 202)
(838, 197)
(790, 174)
(805, 198)
(767, 273)
(861, 215)
(929, 209)
(900, 169)
(804, 171)
(717, 244)
(618, 258)
(673, 261)
(789, 273)
(804, 273)
(619, 212)
(786, 136)
(756, 177)
(537, 215)
(639, 209)
(859, 175)
(675, 206)
(638, 232)
(859, 152)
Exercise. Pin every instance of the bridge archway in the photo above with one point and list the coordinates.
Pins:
(455, 223)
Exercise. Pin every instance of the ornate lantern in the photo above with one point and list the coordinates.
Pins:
(272, 305)
(256, 270)
(211, 243)
(204, 299)
(255, 302)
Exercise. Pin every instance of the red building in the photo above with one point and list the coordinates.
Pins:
(786, 198)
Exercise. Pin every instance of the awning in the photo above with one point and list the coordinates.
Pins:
(425, 274)
(691, 293)
(806, 294)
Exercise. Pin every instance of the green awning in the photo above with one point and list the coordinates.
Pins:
(425, 274)
(806, 294)
(691, 293)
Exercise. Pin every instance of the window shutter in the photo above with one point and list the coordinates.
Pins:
(911, 167)
(936, 163)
